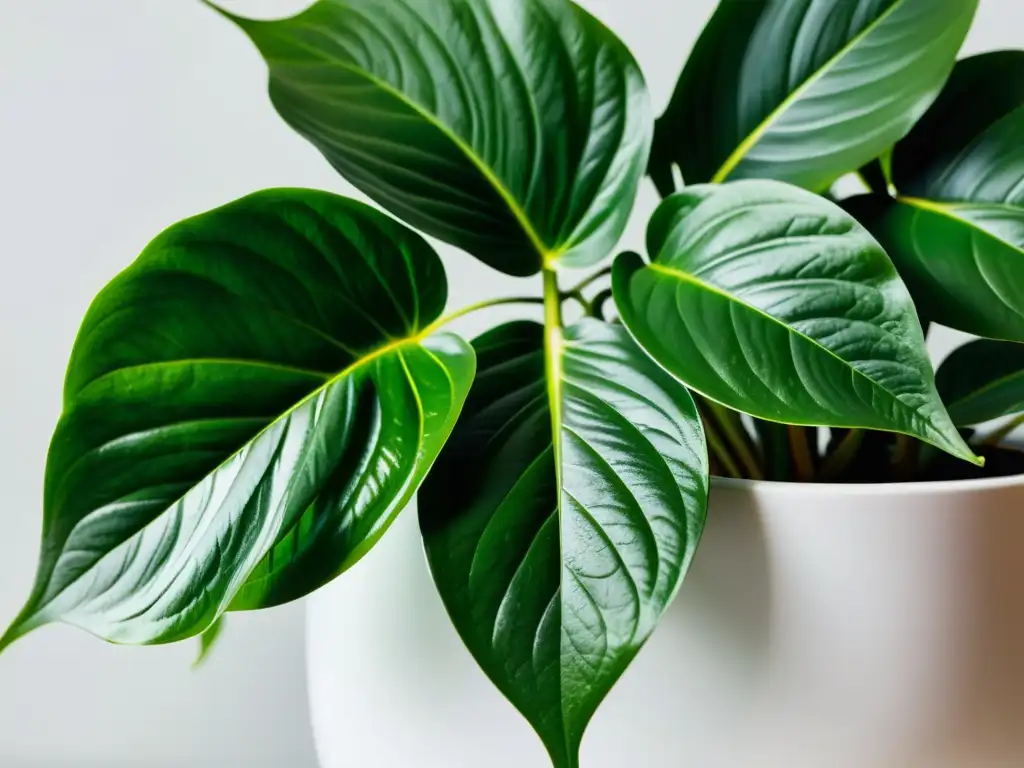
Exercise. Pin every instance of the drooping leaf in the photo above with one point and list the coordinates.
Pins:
(957, 231)
(558, 552)
(983, 380)
(776, 302)
(517, 131)
(258, 390)
(805, 90)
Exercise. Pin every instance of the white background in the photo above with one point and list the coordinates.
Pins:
(118, 118)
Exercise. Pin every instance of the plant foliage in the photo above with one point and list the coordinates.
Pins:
(252, 402)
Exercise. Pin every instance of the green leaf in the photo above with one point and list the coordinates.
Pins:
(776, 302)
(957, 231)
(558, 553)
(515, 131)
(805, 91)
(968, 146)
(983, 380)
(208, 640)
(259, 390)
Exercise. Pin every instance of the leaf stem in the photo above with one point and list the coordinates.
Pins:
(586, 283)
(739, 441)
(553, 364)
(904, 458)
(717, 445)
(803, 458)
(838, 461)
(442, 321)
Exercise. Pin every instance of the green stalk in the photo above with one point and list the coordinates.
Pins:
(803, 457)
(904, 458)
(839, 460)
(716, 445)
(737, 438)
(476, 308)
(587, 282)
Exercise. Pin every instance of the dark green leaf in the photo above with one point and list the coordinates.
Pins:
(983, 380)
(259, 390)
(556, 556)
(776, 302)
(968, 146)
(804, 91)
(963, 262)
(517, 131)
(957, 231)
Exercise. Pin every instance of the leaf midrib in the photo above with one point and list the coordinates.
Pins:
(547, 254)
(393, 346)
(949, 211)
(686, 277)
(752, 139)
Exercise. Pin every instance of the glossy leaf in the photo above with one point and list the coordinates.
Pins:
(515, 131)
(257, 391)
(776, 302)
(968, 146)
(805, 91)
(957, 231)
(983, 380)
(558, 553)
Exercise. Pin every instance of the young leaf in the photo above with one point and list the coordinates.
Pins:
(557, 554)
(775, 302)
(982, 380)
(262, 375)
(517, 131)
(805, 91)
(957, 231)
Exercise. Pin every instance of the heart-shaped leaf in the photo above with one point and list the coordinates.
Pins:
(983, 380)
(805, 91)
(957, 230)
(776, 302)
(517, 131)
(558, 553)
(258, 389)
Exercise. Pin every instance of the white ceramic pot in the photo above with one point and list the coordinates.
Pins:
(820, 626)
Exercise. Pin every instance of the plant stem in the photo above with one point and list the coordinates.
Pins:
(598, 302)
(803, 458)
(553, 363)
(589, 281)
(904, 458)
(478, 306)
(717, 446)
(845, 452)
(738, 439)
(580, 299)
(996, 437)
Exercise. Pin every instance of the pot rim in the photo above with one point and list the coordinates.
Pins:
(914, 488)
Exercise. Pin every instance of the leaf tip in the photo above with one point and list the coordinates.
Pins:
(16, 631)
(207, 641)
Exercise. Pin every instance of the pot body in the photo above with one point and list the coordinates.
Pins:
(820, 626)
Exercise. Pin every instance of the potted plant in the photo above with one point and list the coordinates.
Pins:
(251, 404)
